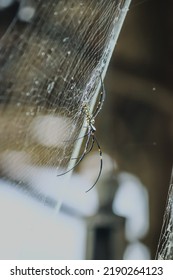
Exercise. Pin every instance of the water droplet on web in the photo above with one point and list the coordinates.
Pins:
(50, 87)
(65, 39)
(72, 87)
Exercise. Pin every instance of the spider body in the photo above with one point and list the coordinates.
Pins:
(89, 119)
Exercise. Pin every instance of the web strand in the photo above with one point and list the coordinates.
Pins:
(49, 68)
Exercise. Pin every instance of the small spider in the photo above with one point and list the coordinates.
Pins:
(90, 134)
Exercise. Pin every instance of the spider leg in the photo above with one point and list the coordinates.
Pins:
(90, 148)
(101, 100)
(73, 140)
(81, 157)
(101, 162)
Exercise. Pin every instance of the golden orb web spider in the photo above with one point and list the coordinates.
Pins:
(90, 134)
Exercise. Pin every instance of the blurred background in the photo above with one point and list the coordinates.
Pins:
(137, 123)
(122, 216)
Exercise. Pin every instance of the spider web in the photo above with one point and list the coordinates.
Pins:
(165, 246)
(49, 68)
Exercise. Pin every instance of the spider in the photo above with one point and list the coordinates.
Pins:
(90, 134)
